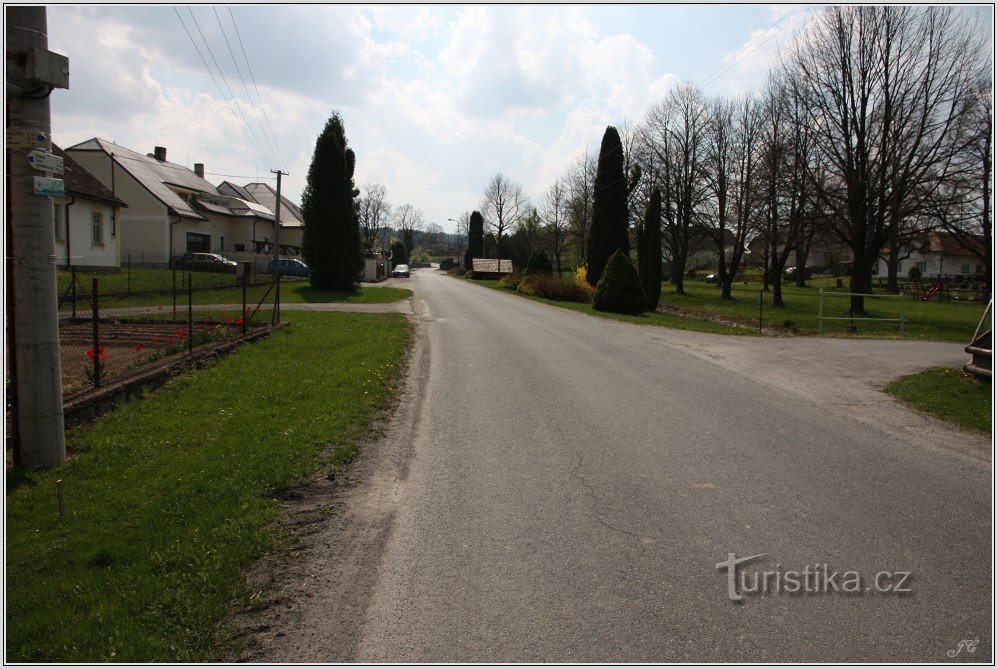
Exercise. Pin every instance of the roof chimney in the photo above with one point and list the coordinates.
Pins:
(159, 152)
(199, 169)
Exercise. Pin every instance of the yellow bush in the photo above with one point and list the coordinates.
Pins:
(580, 278)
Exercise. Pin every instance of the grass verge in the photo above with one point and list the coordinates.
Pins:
(292, 292)
(946, 321)
(949, 393)
(648, 318)
(171, 498)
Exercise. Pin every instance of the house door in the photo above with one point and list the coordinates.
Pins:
(198, 243)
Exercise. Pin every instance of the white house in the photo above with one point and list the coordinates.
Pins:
(86, 220)
(171, 209)
(935, 254)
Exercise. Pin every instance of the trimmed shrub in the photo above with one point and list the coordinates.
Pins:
(553, 287)
(619, 289)
(539, 262)
(446, 264)
(510, 281)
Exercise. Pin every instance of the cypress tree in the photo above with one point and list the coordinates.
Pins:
(476, 239)
(650, 251)
(331, 236)
(608, 232)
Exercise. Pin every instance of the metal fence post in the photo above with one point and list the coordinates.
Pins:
(94, 317)
(901, 313)
(190, 315)
(129, 274)
(760, 311)
(174, 271)
(246, 271)
(73, 284)
(821, 310)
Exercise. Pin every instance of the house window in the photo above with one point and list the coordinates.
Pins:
(57, 218)
(923, 265)
(965, 268)
(97, 227)
(221, 243)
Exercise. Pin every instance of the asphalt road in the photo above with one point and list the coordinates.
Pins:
(574, 481)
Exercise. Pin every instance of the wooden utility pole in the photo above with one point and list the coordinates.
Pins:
(33, 73)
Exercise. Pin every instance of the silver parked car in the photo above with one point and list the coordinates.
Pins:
(401, 270)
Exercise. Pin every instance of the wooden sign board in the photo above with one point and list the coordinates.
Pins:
(492, 266)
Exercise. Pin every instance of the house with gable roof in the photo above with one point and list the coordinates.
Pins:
(86, 219)
(291, 217)
(171, 209)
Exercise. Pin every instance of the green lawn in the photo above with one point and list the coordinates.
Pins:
(947, 321)
(292, 291)
(951, 394)
(647, 318)
(171, 498)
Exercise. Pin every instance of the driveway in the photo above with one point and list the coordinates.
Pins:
(562, 487)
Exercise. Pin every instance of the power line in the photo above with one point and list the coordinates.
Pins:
(232, 54)
(244, 124)
(725, 67)
(249, 67)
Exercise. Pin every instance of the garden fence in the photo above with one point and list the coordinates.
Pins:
(112, 323)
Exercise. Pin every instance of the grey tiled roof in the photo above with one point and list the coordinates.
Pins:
(291, 216)
(154, 175)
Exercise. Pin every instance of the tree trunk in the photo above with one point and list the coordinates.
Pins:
(893, 256)
(859, 282)
(777, 288)
(800, 257)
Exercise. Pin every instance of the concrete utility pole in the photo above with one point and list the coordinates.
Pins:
(277, 248)
(32, 73)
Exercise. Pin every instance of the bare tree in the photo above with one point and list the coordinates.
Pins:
(580, 184)
(674, 138)
(374, 213)
(503, 205)
(731, 176)
(883, 90)
(555, 200)
(408, 223)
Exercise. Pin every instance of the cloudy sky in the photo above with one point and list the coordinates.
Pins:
(435, 99)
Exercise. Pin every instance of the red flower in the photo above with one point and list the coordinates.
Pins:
(138, 347)
(90, 353)
(100, 348)
(239, 321)
(103, 355)
(155, 341)
(180, 333)
(159, 308)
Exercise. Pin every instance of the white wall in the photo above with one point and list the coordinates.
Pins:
(951, 265)
(78, 241)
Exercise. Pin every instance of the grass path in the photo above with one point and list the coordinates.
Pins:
(171, 498)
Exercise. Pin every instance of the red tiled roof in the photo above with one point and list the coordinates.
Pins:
(948, 244)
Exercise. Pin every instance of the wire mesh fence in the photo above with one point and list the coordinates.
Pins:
(111, 324)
